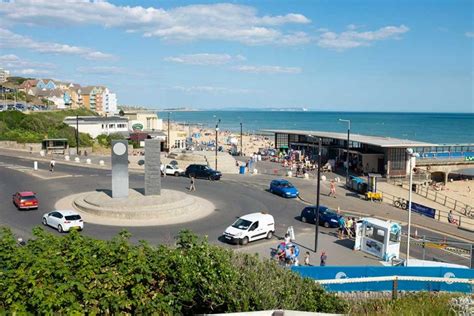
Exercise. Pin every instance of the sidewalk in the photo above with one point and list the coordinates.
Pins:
(339, 252)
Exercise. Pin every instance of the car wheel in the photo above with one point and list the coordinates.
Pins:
(45, 222)
(210, 178)
(271, 190)
(326, 224)
(176, 174)
(60, 228)
(245, 241)
(303, 219)
(270, 235)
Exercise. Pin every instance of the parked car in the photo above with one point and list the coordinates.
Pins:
(249, 228)
(63, 221)
(25, 200)
(327, 217)
(283, 188)
(202, 171)
(173, 170)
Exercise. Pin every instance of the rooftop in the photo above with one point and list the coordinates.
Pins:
(95, 119)
(365, 139)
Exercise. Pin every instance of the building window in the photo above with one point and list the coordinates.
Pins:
(111, 125)
(397, 158)
(121, 125)
(281, 141)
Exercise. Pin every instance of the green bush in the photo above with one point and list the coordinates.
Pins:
(78, 274)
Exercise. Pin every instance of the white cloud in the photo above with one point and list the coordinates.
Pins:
(469, 34)
(210, 89)
(20, 66)
(101, 70)
(351, 38)
(204, 59)
(268, 69)
(221, 21)
(8, 39)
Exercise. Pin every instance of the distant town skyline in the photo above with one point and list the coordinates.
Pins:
(394, 56)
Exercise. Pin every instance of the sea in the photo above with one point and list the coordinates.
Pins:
(437, 128)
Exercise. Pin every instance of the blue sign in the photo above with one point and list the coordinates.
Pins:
(423, 210)
(326, 273)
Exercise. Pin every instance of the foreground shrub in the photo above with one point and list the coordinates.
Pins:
(53, 274)
(421, 303)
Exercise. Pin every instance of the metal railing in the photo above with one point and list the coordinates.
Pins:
(441, 215)
(443, 199)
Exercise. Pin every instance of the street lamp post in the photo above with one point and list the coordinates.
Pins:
(347, 153)
(77, 135)
(217, 131)
(316, 215)
(410, 155)
(241, 146)
(168, 139)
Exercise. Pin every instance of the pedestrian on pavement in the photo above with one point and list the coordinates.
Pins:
(287, 238)
(342, 224)
(332, 191)
(306, 259)
(323, 259)
(192, 187)
(51, 165)
(349, 227)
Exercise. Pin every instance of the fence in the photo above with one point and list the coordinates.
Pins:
(347, 279)
(442, 199)
(462, 221)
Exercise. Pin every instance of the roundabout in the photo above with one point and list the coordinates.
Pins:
(172, 207)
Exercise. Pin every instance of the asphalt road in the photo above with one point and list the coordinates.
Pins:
(231, 198)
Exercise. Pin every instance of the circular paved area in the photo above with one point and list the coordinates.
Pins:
(171, 207)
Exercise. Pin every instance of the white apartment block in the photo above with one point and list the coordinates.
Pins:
(4, 74)
(109, 101)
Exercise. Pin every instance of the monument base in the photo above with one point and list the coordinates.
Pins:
(171, 207)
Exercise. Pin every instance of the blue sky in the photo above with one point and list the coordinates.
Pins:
(323, 55)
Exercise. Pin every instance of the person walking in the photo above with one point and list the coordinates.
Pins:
(51, 165)
(342, 224)
(307, 259)
(192, 186)
(323, 258)
(349, 227)
(332, 189)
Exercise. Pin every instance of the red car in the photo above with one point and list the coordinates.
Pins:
(25, 200)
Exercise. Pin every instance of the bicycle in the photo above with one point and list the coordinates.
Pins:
(400, 203)
(468, 211)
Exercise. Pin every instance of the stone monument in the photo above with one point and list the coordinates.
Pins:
(119, 168)
(152, 167)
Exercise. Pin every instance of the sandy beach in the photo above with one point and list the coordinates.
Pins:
(251, 142)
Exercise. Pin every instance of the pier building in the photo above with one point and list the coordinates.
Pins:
(384, 155)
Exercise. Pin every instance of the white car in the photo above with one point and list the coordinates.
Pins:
(63, 220)
(173, 170)
(250, 227)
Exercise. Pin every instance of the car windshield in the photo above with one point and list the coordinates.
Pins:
(73, 217)
(242, 224)
(286, 185)
(28, 198)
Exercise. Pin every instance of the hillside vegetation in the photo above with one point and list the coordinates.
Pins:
(77, 274)
(36, 126)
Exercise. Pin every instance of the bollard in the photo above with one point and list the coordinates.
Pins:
(323, 178)
(395, 289)
(42, 153)
(255, 171)
(88, 161)
(289, 173)
(77, 159)
(35, 165)
(67, 158)
(306, 176)
(101, 163)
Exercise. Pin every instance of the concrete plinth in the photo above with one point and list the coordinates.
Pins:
(171, 207)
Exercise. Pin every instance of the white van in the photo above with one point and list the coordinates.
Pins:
(250, 227)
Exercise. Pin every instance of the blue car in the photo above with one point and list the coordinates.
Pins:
(327, 217)
(283, 188)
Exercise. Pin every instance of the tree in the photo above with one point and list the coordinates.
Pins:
(121, 112)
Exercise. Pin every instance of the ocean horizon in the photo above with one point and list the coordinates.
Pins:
(437, 128)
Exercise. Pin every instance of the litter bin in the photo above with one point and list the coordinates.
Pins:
(242, 170)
